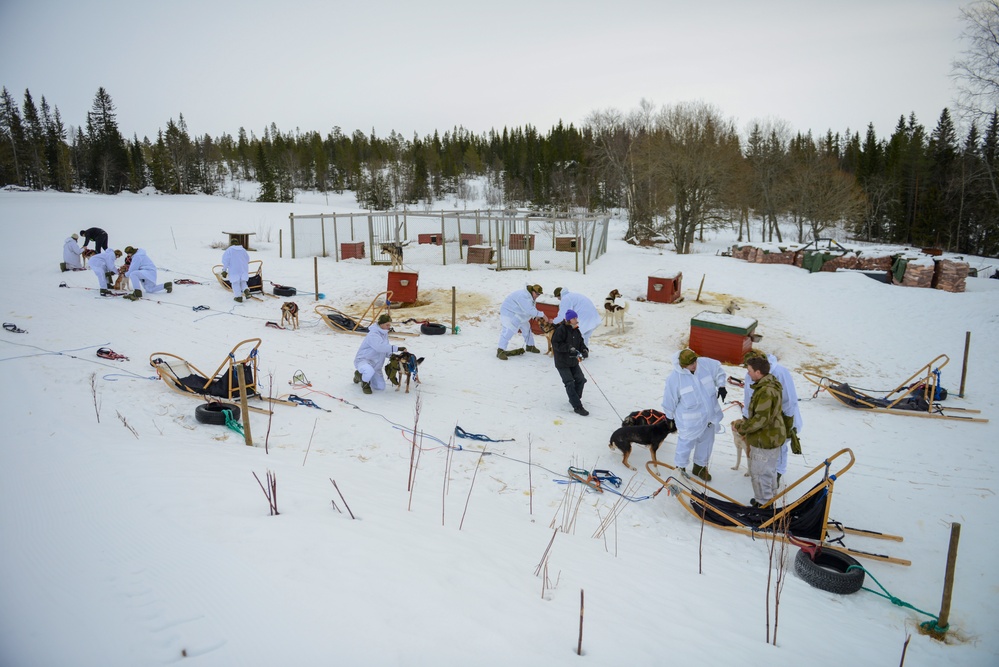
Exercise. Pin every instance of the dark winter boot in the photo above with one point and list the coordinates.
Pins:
(501, 354)
(366, 387)
(702, 472)
(246, 293)
(63, 267)
(357, 377)
(105, 292)
(168, 287)
(531, 348)
(516, 352)
(581, 411)
(238, 299)
(134, 296)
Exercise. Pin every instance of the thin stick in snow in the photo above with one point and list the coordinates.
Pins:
(342, 499)
(470, 487)
(310, 439)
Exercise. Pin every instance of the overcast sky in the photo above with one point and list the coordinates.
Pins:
(413, 66)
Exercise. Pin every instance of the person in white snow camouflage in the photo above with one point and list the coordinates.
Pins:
(589, 318)
(371, 356)
(789, 405)
(142, 273)
(691, 400)
(71, 254)
(102, 264)
(515, 314)
(236, 269)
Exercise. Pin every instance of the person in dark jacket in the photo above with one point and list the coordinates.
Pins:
(97, 235)
(569, 349)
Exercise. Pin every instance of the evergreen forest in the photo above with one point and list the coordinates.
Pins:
(676, 170)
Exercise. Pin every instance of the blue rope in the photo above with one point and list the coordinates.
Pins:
(462, 433)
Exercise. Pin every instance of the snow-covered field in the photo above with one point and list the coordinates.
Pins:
(132, 535)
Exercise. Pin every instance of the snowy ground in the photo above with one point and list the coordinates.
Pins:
(141, 536)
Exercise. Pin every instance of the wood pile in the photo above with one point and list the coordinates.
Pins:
(918, 275)
(949, 275)
(786, 257)
(847, 261)
(882, 263)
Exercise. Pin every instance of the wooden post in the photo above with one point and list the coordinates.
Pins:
(322, 232)
(955, 536)
(315, 272)
(698, 299)
(964, 368)
(579, 646)
(454, 319)
(291, 217)
(243, 406)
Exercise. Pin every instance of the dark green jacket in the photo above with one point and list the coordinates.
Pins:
(764, 428)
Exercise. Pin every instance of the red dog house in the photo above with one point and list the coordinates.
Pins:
(403, 285)
(722, 336)
(353, 250)
(664, 287)
(549, 309)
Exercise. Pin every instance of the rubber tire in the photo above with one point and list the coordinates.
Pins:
(211, 413)
(283, 290)
(432, 329)
(828, 572)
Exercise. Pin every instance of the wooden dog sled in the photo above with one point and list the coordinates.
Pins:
(343, 323)
(915, 397)
(185, 378)
(805, 519)
(255, 282)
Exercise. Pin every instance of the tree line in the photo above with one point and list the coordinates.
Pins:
(677, 170)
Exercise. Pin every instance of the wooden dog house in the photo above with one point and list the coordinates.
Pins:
(549, 309)
(726, 338)
(403, 286)
(664, 287)
(353, 250)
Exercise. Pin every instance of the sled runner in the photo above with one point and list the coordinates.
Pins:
(805, 519)
(343, 323)
(255, 282)
(185, 378)
(918, 396)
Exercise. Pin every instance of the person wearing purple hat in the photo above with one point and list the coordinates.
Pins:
(569, 349)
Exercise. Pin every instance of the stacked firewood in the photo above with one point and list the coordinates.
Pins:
(872, 263)
(950, 275)
(918, 275)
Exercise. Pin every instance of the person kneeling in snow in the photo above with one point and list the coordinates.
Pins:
(102, 264)
(142, 273)
(71, 255)
(371, 356)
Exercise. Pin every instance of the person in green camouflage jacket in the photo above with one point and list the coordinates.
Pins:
(764, 430)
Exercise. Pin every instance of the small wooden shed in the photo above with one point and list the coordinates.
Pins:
(403, 285)
(665, 287)
(722, 336)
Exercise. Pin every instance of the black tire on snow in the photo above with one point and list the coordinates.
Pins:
(432, 329)
(211, 413)
(828, 572)
(284, 290)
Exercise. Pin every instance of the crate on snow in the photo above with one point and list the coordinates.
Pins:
(403, 286)
(664, 287)
(721, 336)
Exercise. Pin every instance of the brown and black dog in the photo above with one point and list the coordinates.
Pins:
(547, 328)
(643, 427)
(289, 314)
(406, 363)
(613, 313)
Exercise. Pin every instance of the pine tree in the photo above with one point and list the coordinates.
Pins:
(12, 140)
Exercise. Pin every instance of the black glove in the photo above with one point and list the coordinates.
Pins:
(586, 353)
(573, 351)
(722, 393)
(402, 349)
(225, 274)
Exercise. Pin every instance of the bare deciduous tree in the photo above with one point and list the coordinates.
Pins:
(977, 71)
